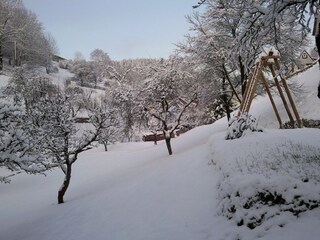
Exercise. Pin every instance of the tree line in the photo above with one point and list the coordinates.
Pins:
(22, 37)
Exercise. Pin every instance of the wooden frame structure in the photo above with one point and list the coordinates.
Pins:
(270, 61)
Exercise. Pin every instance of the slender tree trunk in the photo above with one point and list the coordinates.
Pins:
(65, 185)
(242, 76)
(318, 45)
(105, 143)
(168, 143)
(228, 110)
(224, 98)
(1, 57)
(155, 139)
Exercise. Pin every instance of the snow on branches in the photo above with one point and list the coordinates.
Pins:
(283, 24)
(18, 142)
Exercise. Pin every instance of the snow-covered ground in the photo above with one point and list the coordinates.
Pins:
(4, 80)
(136, 191)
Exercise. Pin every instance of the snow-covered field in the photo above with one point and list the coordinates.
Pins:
(136, 191)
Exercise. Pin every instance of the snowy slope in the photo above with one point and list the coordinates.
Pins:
(135, 191)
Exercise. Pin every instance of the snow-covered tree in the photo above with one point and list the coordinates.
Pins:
(167, 96)
(85, 73)
(125, 99)
(207, 46)
(227, 36)
(99, 55)
(283, 24)
(78, 56)
(169, 122)
(63, 140)
(111, 131)
(19, 141)
(27, 88)
(8, 29)
(22, 37)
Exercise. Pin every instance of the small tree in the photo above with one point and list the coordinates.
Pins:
(27, 88)
(165, 93)
(109, 135)
(99, 55)
(63, 141)
(164, 115)
(111, 129)
(125, 100)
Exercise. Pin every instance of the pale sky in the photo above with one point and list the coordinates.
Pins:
(124, 28)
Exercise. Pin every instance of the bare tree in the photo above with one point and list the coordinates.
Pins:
(167, 95)
(99, 55)
(63, 141)
(163, 114)
(78, 56)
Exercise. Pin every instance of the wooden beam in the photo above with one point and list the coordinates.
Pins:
(285, 85)
(252, 90)
(264, 81)
(244, 98)
(281, 94)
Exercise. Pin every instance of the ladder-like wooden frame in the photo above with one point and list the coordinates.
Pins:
(272, 62)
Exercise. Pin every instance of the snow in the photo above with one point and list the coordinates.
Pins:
(136, 191)
(3, 80)
(59, 78)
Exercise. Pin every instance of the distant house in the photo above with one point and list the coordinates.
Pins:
(305, 59)
(57, 58)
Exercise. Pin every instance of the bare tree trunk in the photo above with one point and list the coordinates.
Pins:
(224, 98)
(228, 110)
(318, 45)
(242, 76)
(1, 57)
(155, 139)
(168, 143)
(65, 185)
(105, 144)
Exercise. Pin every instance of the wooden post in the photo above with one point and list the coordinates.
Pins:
(250, 90)
(281, 94)
(263, 79)
(285, 85)
(244, 98)
(256, 74)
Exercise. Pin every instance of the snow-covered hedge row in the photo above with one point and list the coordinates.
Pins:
(258, 199)
(268, 178)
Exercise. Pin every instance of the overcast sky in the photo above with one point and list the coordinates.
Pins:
(123, 28)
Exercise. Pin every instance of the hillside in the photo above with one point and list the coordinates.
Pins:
(136, 191)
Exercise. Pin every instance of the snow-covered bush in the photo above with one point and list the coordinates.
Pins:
(214, 111)
(257, 200)
(52, 69)
(239, 125)
(19, 142)
(276, 179)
